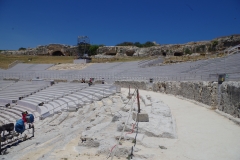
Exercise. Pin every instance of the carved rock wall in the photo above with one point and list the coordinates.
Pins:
(224, 97)
(230, 98)
(202, 47)
(51, 49)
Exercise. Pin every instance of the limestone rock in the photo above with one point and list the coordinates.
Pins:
(229, 99)
(201, 47)
(203, 92)
(197, 48)
(146, 100)
(88, 143)
(126, 108)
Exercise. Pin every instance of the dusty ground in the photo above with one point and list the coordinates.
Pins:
(69, 66)
(200, 133)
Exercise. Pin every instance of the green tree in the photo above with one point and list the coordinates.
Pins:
(214, 43)
(212, 48)
(187, 51)
(138, 44)
(125, 44)
(148, 44)
(93, 49)
(21, 48)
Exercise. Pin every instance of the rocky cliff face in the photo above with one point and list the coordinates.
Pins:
(203, 47)
(216, 45)
(51, 49)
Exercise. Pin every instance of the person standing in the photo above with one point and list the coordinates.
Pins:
(24, 115)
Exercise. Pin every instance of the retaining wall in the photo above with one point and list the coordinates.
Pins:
(224, 97)
(203, 92)
(230, 98)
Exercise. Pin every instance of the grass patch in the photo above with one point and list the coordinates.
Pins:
(5, 60)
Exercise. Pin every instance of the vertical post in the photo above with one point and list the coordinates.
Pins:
(138, 101)
(32, 130)
(0, 144)
(129, 91)
(219, 95)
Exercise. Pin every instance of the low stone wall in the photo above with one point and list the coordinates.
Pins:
(225, 98)
(230, 98)
(203, 92)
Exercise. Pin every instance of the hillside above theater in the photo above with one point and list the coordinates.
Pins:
(214, 46)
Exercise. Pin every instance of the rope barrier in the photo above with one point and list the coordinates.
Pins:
(135, 141)
(116, 146)
(133, 125)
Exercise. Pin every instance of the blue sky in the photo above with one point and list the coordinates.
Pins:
(29, 23)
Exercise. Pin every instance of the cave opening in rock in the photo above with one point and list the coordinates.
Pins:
(57, 53)
(111, 53)
(130, 53)
(178, 54)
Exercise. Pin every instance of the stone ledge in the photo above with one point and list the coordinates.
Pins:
(235, 120)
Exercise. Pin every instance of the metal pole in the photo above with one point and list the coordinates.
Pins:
(32, 130)
(138, 101)
(0, 145)
(129, 91)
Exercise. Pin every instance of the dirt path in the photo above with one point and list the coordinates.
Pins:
(202, 133)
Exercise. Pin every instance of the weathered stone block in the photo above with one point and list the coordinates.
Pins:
(206, 93)
(88, 143)
(140, 117)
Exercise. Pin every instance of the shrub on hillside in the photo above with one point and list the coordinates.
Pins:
(125, 44)
(137, 44)
(22, 49)
(200, 49)
(93, 48)
(187, 51)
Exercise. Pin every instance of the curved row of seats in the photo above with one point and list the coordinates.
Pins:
(54, 92)
(77, 99)
(48, 95)
(11, 91)
(30, 67)
(33, 93)
(61, 96)
(8, 115)
(20, 89)
(5, 84)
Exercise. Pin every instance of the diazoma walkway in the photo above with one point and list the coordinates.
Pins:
(202, 133)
